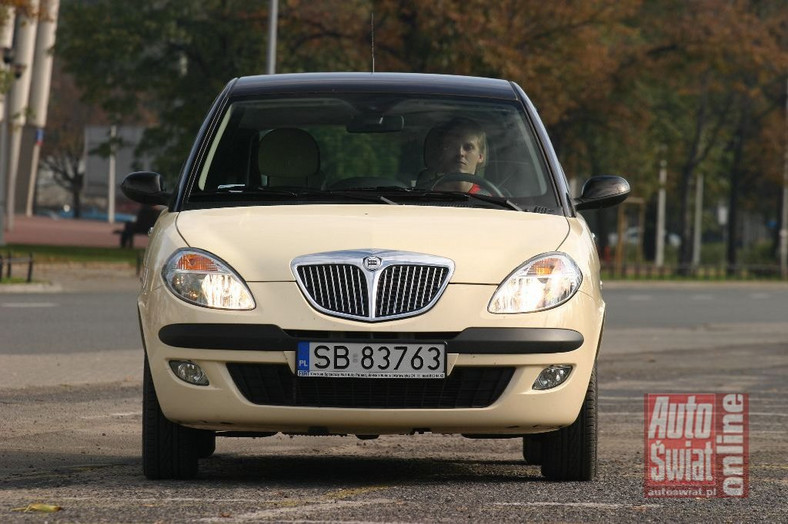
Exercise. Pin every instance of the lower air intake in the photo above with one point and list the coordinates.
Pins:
(275, 385)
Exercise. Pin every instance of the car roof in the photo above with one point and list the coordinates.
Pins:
(406, 83)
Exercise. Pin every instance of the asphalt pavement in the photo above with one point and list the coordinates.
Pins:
(72, 419)
(72, 422)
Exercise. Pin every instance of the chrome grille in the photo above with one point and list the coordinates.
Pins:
(372, 285)
(337, 287)
(406, 288)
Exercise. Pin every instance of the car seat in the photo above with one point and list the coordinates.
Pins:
(432, 142)
(289, 157)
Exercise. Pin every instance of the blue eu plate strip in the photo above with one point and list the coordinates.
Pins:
(302, 357)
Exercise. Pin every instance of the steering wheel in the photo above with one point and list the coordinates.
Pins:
(473, 179)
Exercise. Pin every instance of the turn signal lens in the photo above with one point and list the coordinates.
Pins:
(196, 262)
(541, 283)
(199, 278)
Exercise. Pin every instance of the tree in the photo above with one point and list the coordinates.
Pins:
(172, 57)
(728, 54)
(161, 62)
(613, 80)
(7, 5)
(7, 74)
(63, 151)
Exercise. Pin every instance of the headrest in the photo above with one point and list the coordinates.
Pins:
(288, 152)
(432, 148)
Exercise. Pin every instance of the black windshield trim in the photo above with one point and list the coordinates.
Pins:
(239, 196)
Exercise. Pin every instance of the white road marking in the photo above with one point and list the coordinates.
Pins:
(28, 304)
(702, 297)
(113, 415)
(644, 297)
(630, 413)
(300, 507)
(591, 505)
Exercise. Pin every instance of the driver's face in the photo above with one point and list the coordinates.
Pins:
(460, 153)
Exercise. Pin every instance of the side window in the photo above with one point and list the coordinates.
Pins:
(229, 159)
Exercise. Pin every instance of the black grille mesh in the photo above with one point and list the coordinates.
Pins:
(276, 385)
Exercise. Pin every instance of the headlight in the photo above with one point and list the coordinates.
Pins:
(200, 278)
(541, 283)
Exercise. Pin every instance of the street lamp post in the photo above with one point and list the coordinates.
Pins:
(6, 39)
(25, 29)
(113, 133)
(8, 72)
(40, 83)
(273, 14)
(697, 229)
(659, 258)
(784, 218)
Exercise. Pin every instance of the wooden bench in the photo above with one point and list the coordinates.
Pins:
(8, 261)
(146, 218)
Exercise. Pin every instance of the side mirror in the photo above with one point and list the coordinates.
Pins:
(602, 191)
(145, 187)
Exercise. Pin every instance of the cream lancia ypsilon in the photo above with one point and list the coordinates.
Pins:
(369, 254)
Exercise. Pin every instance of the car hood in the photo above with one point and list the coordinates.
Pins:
(260, 242)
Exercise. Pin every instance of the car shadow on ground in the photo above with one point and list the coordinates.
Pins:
(362, 471)
(56, 471)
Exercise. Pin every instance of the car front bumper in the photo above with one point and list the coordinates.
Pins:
(236, 348)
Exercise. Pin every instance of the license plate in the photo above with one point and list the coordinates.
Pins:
(371, 360)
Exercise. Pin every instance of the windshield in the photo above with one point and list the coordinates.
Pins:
(399, 149)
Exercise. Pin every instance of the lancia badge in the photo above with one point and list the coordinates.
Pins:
(372, 263)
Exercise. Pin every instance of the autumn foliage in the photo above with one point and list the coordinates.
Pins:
(620, 84)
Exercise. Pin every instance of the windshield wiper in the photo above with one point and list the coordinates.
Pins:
(379, 194)
(362, 195)
(295, 193)
(461, 195)
(501, 201)
(244, 191)
(369, 194)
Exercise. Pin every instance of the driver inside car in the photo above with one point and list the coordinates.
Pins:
(456, 147)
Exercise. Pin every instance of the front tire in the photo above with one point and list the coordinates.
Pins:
(169, 450)
(206, 444)
(532, 450)
(571, 452)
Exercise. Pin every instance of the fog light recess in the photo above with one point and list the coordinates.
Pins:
(189, 372)
(552, 376)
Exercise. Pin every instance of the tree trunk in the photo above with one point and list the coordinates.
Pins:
(685, 220)
(733, 210)
(76, 199)
(735, 177)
